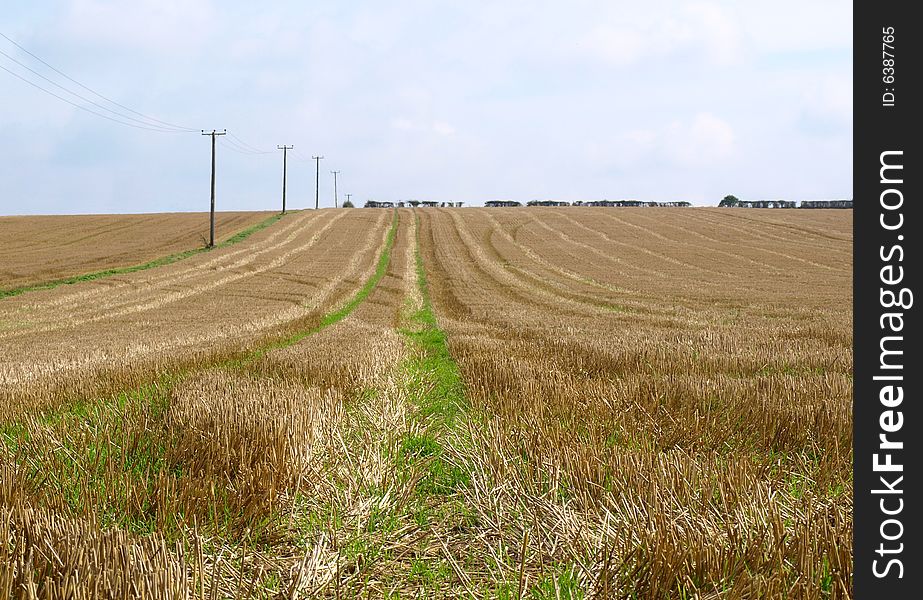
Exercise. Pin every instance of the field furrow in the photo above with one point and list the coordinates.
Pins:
(533, 403)
(646, 452)
(112, 293)
(228, 450)
(793, 240)
(44, 248)
(223, 311)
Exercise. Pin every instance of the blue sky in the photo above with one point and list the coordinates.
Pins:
(437, 100)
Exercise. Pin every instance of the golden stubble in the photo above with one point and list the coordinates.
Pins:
(661, 398)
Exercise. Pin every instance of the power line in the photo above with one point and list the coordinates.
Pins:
(235, 147)
(85, 99)
(299, 156)
(89, 110)
(94, 92)
(247, 146)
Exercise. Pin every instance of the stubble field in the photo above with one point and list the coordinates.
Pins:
(38, 249)
(536, 403)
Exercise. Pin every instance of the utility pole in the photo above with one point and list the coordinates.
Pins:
(335, 173)
(317, 182)
(348, 196)
(211, 229)
(284, 150)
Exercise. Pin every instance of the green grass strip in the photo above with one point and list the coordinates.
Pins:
(438, 392)
(446, 398)
(157, 262)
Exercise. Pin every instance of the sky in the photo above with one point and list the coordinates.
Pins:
(428, 100)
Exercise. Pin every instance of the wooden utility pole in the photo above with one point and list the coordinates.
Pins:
(317, 182)
(348, 196)
(211, 229)
(335, 173)
(284, 150)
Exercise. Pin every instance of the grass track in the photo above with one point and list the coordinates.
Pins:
(445, 398)
(157, 262)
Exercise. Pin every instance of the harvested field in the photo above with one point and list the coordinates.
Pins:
(541, 403)
(37, 249)
(664, 396)
(81, 337)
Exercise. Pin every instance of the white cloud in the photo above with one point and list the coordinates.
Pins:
(701, 27)
(443, 128)
(709, 25)
(164, 26)
(708, 140)
(619, 46)
(591, 98)
(827, 106)
(402, 124)
(703, 140)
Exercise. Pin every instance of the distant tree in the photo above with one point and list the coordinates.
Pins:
(349, 204)
(729, 200)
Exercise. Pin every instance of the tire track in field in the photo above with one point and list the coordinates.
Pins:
(750, 229)
(128, 308)
(792, 227)
(450, 237)
(552, 295)
(353, 269)
(78, 301)
(133, 308)
(609, 239)
(702, 236)
(13, 374)
(159, 278)
(538, 259)
(659, 255)
(251, 256)
(532, 294)
(753, 233)
(554, 298)
(688, 281)
(739, 224)
(568, 240)
(590, 248)
(411, 288)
